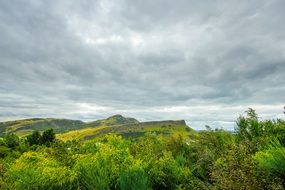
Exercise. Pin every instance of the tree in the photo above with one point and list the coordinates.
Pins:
(48, 136)
(12, 140)
(35, 138)
(251, 113)
(249, 127)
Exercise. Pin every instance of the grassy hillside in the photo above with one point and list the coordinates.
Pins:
(113, 120)
(26, 126)
(75, 129)
(130, 130)
(79, 134)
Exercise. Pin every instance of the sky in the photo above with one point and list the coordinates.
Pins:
(202, 61)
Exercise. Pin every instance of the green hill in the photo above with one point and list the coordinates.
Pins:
(113, 120)
(26, 126)
(130, 130)
(75, 129)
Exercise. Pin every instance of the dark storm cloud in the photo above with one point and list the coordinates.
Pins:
(148, 59)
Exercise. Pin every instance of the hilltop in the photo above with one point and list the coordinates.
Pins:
(113, 120)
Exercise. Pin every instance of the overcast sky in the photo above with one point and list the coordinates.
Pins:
(202, 61)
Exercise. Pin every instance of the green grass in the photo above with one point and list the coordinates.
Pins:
(26, 126)
(113, 120)
(79, 134)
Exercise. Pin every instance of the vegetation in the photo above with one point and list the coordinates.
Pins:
(113, 120)
(36, 138)
(27, 126)
(165, 156)
(129, 130)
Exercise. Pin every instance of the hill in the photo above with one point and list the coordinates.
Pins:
(75, 129)
(26, 126)
(130, 130)
(113, 120)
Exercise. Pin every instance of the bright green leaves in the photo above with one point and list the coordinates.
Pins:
(273, 158)
(37, 170)
(251, 158)
(106, 163)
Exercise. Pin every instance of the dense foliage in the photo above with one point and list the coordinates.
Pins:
(253, 157)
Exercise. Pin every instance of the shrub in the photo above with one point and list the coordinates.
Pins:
(12, 140)
(35, 138)
(34, 170)
(133, 179)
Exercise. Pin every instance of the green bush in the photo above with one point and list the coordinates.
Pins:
(273, 160)
(92, 174)
(35, 138)
(12, 140)
(100, 168)
(4, 151)
(35, 170)
(133, 179)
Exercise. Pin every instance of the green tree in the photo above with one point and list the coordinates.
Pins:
(35, 138)
(235, 169)
(12, 140)
(48, 136)
(249, 127)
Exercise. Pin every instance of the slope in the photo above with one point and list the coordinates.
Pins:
(26, 126)
(130, 130)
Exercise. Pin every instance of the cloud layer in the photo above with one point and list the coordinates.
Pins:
(203, 61)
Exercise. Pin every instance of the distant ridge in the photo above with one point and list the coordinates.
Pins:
(69, 129)
(131, 130)
(26, 126)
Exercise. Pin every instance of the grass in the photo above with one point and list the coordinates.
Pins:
(26, 126)
(79, 134)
